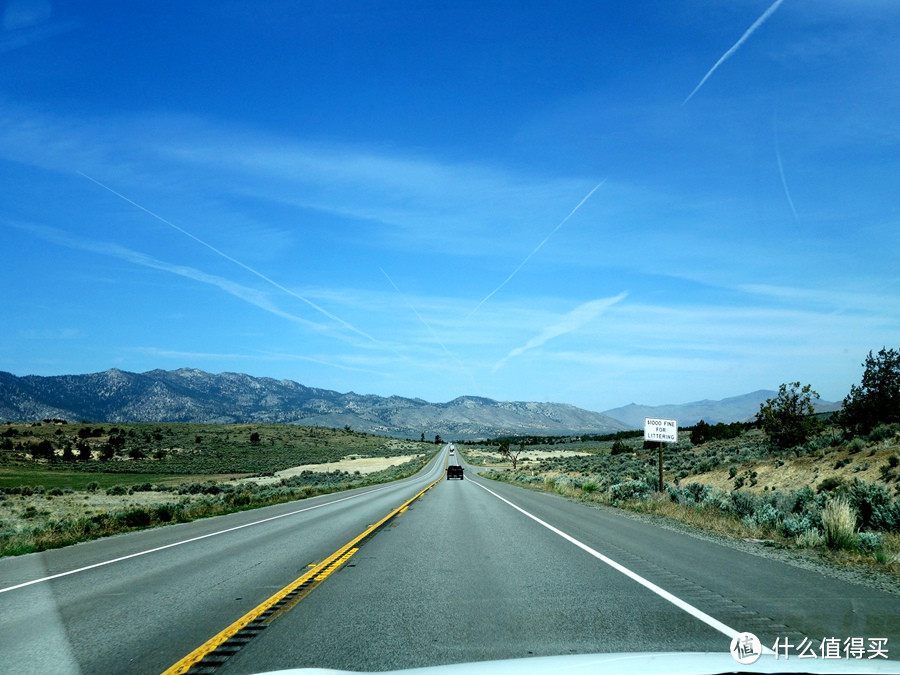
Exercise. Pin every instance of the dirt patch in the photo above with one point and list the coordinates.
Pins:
(349, 464)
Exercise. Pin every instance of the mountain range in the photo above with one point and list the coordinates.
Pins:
(191, 395)
(733, 409)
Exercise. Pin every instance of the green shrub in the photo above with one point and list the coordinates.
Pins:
(856, 445)
(619, 447)
(628, 490)
(803, 499)
(839, 524)
(883, 432)
(164, 514)
(721, 501)
(137, 518)
(117, 490)
(696, 492)
(874, 506)
(811, 538)
(743, 503)
(239, 499)
(829, 484)
(870, 541)
(766, 516)
(794, 526)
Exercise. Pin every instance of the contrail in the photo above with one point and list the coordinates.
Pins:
(424, 323)
(572, 321)
(234, 260)
(787, 193)
(756, 24)
(536, 249)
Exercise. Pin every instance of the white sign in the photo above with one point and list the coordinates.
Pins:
(665, 431)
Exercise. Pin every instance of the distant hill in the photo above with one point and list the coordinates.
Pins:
(189, 395)
(734, 409)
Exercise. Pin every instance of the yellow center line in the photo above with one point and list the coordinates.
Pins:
(337, 563)
(314, 575)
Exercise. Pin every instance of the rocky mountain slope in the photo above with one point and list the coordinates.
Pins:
(189, 395)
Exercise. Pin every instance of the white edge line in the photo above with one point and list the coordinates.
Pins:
(664, 594)
(186, 541)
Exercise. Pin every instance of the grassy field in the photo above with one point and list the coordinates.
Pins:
(61, 483)
(49, 478)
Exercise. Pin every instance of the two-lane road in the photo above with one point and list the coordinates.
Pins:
(472, 570)
(465, 575)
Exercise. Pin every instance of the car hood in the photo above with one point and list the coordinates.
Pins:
(638, 663)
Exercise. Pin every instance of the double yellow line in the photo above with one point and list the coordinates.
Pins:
(300, 587)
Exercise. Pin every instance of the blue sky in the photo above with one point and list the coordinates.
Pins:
(389, 197)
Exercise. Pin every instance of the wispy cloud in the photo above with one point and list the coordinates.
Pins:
(431, 330)
(407, 201)
(572, 321)
(25, 22)
(868, 301)
(245, 293)
(787, 192)
(536, 249)
(756, 24)
(235, 261)
(417, 202)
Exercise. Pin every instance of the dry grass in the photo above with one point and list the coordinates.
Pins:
(839, 524)
(706, 519)
(25, 518)
(885, 560)
(792, 473)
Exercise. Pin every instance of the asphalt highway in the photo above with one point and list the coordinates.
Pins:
(184, 584)
(470, 570)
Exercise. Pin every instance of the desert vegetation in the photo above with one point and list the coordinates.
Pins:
(63, 482)
(172, 449)
(828, 484)
(839, 497)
